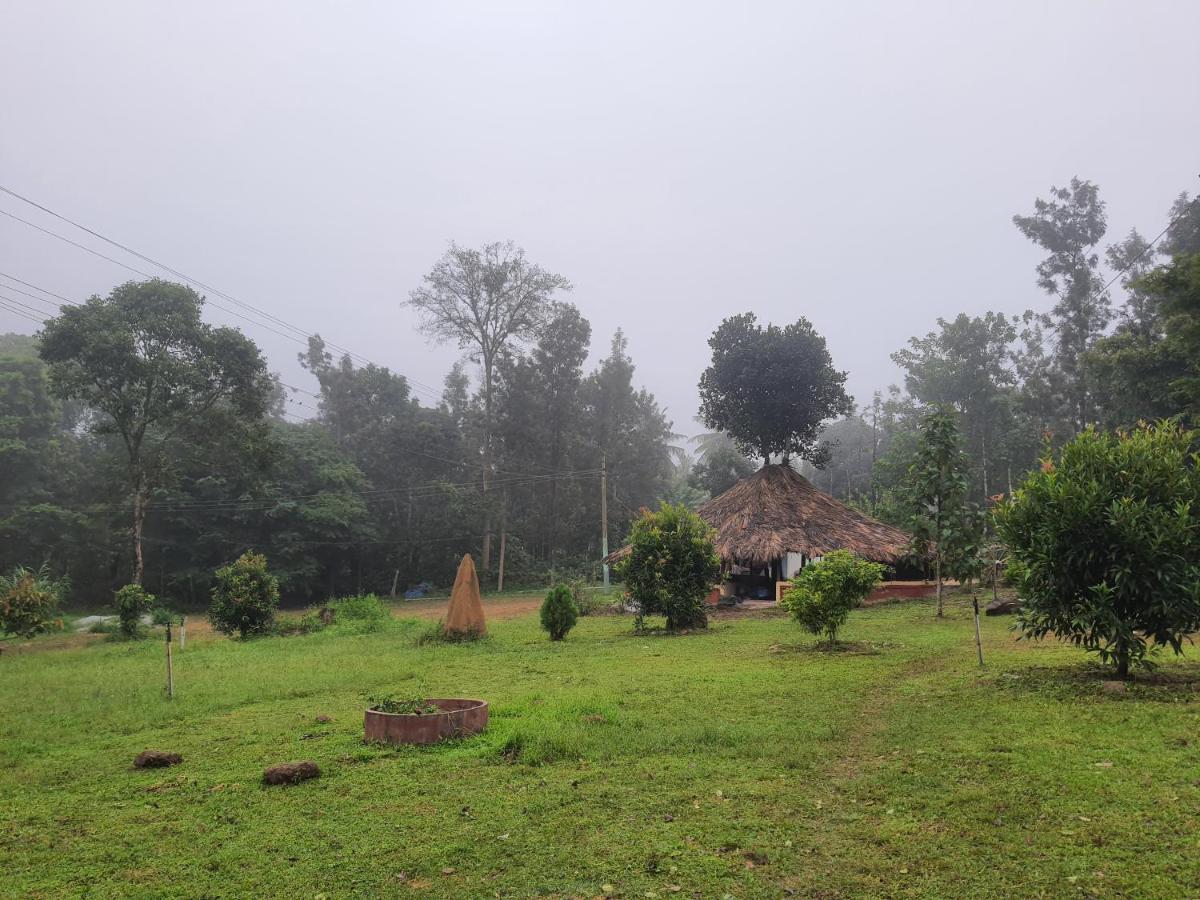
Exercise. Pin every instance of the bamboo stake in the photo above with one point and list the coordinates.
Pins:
(170, 673)
(978, 639)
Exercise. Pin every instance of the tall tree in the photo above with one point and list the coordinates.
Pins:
(941, 519)
(146, 362)
(538, 427)
(627, 428)
(771, 388)
(968, 365)
(1069, 226)
(487, 301)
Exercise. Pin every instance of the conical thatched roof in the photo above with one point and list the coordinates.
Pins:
(777, 510)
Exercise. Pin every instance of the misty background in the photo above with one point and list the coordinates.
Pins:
(858, 165)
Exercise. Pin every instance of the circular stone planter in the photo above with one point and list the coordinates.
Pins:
(455, 718)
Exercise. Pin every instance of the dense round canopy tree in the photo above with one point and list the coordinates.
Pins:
(146, 362)
(771, 387)
(671, 566)
(1107, 543)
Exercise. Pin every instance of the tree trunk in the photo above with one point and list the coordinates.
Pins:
(1122, 660)
(139, 518)
(485, 555)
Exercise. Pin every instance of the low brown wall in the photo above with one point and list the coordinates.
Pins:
(891, 590)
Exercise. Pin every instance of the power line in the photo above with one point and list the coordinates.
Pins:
(1129, 264)
(304, 333)
(144, 274)
(36, 288)
(13, 300)
(17, 312)
(416, 491)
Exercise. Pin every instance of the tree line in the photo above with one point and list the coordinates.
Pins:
(142, 445)
(1019, 384)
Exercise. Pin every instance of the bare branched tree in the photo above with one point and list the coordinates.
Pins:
(488, 301)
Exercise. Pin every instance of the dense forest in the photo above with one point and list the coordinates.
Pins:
(128, 417)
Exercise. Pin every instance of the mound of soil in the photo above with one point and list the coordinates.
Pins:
(156, 759)
(291, 772)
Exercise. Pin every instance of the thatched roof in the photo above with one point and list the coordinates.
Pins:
(777, 510)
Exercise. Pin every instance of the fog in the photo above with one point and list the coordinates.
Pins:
(858, 164)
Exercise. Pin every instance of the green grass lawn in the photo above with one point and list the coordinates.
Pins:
(739, 761)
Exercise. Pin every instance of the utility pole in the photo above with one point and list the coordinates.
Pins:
(604, 515)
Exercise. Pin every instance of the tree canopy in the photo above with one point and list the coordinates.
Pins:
(771, 387)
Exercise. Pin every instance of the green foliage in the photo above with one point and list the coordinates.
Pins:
(1068, 227)
(719, 470)
(360, 614)
(436, 633)
(132, 602)
(1178, 288)
(1106, 543)
(771, 388)
(29, 599)
(147, 363)
(672, 566)
(945, 525)
(558, 613)
(823, 594)
(163, 615)
(244, 597)
(360, 607)
(403, 706)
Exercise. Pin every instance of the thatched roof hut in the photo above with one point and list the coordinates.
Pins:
(776, 519)
(777, 511)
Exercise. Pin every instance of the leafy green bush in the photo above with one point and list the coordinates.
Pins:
(1106, 543)
(244, 597)
(164, 615)
(29, 600)
(558, 612)
(671, 566)
(360, 608)
(823, 594)
(132, 602)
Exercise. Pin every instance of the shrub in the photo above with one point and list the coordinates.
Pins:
(360, 608)
(821, 596)
(1106, 543)
(132, 602)
(671, 566)
(244, 597)
(558, 612)
(29, 600)
(164, 615)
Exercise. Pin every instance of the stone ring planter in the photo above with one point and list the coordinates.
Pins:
(455, 718)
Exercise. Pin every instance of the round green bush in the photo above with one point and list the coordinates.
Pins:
(822, 595)
(558, 612)
(1105, 543)
(671, 566)
(29, 600)
(132, 602)
(244, 597)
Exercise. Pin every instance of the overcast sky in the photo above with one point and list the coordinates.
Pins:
(858, 164)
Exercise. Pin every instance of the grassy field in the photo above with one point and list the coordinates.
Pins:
(737, 762)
